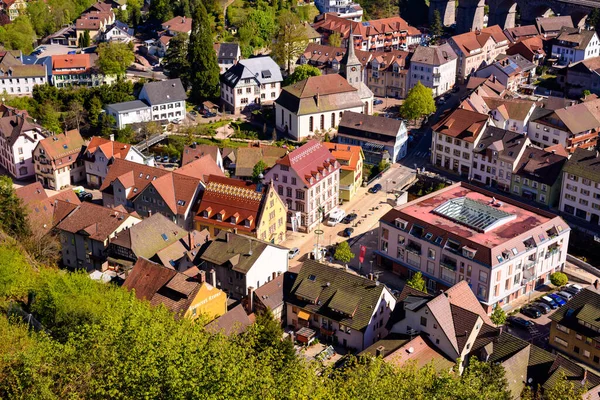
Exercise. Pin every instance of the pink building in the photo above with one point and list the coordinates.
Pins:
(502, 248)
(306, 179)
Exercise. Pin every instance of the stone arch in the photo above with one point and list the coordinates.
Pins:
(469, 15)
(579, 18)
(530, 10)
(503, 13)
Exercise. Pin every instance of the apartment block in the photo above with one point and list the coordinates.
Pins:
(580, 194)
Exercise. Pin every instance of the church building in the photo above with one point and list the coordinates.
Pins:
(314, 106)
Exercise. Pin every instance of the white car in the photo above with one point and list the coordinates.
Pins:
(335, 216)
(293, 252)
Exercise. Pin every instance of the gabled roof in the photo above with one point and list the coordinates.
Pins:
(519, 32)
(516, 109)
(94, 221)
(233, 322)
(178, 24)
(271, 293)
(227, 50)
(247, 157)
(584, 163)
(584, 307)
(262, 69)
(167, 91)
(161, 285)
(434, 55)
(421, 352)
(13, 126)
(232, 198)
(462, 124)
(553, 24)
(541, 165)
(528, 48)
(195, 151)
(326, 288)
(581, 38)
(350, 155)
(330, 22)
(72, 61)
(311, 162)
(189, 246)
(370, 127)
(128, 106)
(110, 148)
(506, 143)
(62, 145)
(149, 236)
(475, 40)
(238, 252)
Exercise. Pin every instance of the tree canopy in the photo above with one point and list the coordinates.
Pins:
(176, 62)
(114, 58)
(417, 282)
(300, 73)
(419, 102)
(559, 279)
(498, 316)
(258, 170)
(290, 41)
(343, 253)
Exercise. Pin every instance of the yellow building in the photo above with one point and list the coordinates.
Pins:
(187, 294)
(351, 159)
(238, 206)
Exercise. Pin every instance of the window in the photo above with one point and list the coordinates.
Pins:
(310, 125)
(322, 121)
(423, 321)
(431, 254)
(561, 341)
(483, 276)
(332, 120)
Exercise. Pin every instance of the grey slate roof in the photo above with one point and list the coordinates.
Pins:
(584, 163)
(434, 55)
(127, 106)
(512, 142)
(369, 127)
(263, 69)
(161, 92)
(228, 50)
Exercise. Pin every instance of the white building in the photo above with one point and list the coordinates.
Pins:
(161, 101)
(307, 180)
(251, 83)
(580, 194)
(243, 263)
(316, 104)
(18, 138)
(346, 9)
(454, 138)
(118, 32)
(504, 249)
(575, 44)
(434, 67)
(17, 78)
(56, 160)
(101, 153)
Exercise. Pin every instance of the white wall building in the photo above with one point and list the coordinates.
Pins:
(18, 138)
(434, 67)
(575, 44)
(504, 249)
(129, 112)
(346, 9)
(251, 83)
(580, 193)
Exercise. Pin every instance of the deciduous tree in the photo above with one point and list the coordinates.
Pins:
(290, 41)
(300, 73)
(559, 279)
(418, 103)
(498, 316)
(335, 39)
(114, 58)
(258, 170)
(417, 282)
(343, 253)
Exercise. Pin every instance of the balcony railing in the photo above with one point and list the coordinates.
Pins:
(413, 248)
(448, 263)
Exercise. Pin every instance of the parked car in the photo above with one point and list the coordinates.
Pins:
(209, 115)
(348, 232)
(194, 113)
(557, 299)
(519, 322)
(531, 312)
(441, 101)
(157, 158)
(165, 159)
(549, 301)
(565, 295)
(349, 218)
(85, 196)
(543, 307)
(293, 252)
(377, 102)
(174, 160)
(375, 188)
(177, 121)
(573, 289)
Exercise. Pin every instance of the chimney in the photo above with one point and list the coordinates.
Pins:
(202, 276)
(278, 273)
(250, 300)
(274, 275)
(112, 137)
(596, 282)
(227, 237)
(191, 242)
(371, 277)
(379, 351)
(318, 98)
(213, 277)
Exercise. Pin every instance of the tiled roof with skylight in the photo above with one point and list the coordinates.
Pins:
(473, 214)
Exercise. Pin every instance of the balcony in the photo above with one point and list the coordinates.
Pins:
(414, 248)
(449, 263)
(327, 330)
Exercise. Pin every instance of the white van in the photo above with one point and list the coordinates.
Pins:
(336, 216)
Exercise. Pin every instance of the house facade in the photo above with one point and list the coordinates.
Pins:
(309, 179)
(387, 74)
(86, 232)
(351, 159)
(242, 264)
(471, 243)
(580, 192)
(13, 8)
(251, 83)
(77, 70)
(18, 138)
(454, 139)
(100, 153)
(575, 44)
(166, 99)
(233, 204)
(434, 67)
(477, 48)
(57, 162)
(17, 78)
(341, 307)
(381, 139)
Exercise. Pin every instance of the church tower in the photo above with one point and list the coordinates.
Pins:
(350, 66)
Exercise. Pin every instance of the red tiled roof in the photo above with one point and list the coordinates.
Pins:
(201, 168)
(69, 61)
(62, 145)
(351, 154)
(109, 148)
(191, 153)
(311, 162)
(462, 124)
(178, 24)
(474, 40)
(31, 193)
(331, 22)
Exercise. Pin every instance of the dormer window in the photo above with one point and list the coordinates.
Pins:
(468, 252)
(247, 223)
(220, 216)
(400, 223)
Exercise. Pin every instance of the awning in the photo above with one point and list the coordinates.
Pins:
(303, 315)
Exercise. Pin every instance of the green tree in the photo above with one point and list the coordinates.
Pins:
(301, 72)
(290, 41)
(586, 93)
(593, 19)
(559, 279)
(343, 253)
(161, 10)
(13, 216)
(95, 109)
(498, 316)
(417, 282)
(50, 117)
(418, 103)
(564, 389)
(204, 76)
(114, 58)
(267, 335)
(437, 29)
(134, 11)
(335, 39)
(84, 39)
(38, 12)
(176, 62)
(18, 35)
(257, 170)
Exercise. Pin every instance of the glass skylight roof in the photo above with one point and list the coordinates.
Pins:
(473, 214)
